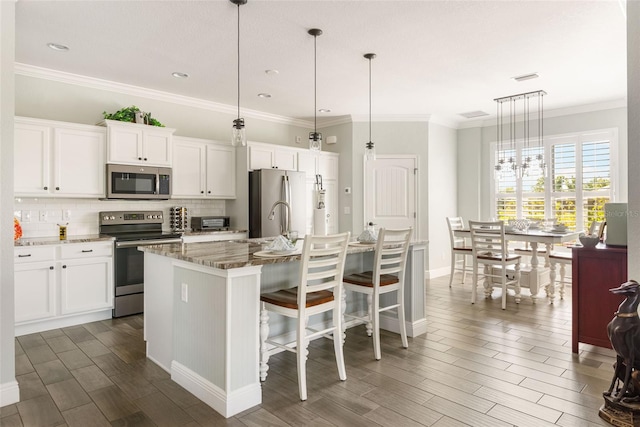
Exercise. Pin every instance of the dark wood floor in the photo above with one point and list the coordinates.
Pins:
(477, 365)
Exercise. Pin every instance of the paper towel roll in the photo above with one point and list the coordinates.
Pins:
(320, 222)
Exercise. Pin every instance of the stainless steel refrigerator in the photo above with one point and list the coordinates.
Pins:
(268, 186)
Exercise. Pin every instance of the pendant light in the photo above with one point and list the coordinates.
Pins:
(370, 149)
(315, 138)
(239, 135)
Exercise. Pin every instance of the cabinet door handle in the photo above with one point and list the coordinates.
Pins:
(46, 188)
(209, 191)
(201, 191)
(145, 159)
(57, 188)
(139, 158)
(24, 256)
(51, 267)
(87, 251)
(64, 266)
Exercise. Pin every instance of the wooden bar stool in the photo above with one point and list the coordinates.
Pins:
(387, 276)
(319, 291)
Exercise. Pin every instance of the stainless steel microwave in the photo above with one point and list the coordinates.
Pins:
(138, 182)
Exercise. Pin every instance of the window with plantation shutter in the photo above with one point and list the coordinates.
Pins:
(578, 182)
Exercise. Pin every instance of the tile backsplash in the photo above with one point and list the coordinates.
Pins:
(40, 217)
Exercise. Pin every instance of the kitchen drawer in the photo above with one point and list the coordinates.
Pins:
(85, 250)
(34, 253)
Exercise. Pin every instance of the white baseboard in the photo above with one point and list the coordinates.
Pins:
(439, 272)
(9, 393)
(61, 322)
(226, 404)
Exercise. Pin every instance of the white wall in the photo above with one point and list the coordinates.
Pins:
(9, 392)
(442, 200)
(633, 100)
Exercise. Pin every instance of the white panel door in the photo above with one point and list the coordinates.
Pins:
(79, 158)
(221, 171)
(32, 159)
(390, 192)
(188, 169)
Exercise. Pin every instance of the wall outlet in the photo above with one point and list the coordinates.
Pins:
(347, 190)
(66, 215)
(298, 139)
(43, 216)
(26, 216)
(18, 214)
(184, 292)
(347, 210)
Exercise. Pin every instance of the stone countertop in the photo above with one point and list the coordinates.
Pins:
(54, 240)
(234, 254)
(205, 232)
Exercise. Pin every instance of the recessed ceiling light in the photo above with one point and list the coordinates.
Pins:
(58, 47)
(179, 75)
(264, 95)
(324, 110)
(525, 77)
(272, 72)
(473, 114)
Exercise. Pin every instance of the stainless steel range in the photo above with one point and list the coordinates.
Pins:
(132, 229)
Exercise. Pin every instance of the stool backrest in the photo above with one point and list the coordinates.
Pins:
(322, 264)
(391, 253)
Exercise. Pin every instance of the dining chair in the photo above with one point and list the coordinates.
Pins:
(459, 249)
(319, 290)
(389, 264)
(489, 249)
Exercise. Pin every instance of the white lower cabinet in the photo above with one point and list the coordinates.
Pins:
(35, 291)
(62, 285)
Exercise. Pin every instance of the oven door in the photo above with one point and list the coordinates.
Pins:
(129, 275)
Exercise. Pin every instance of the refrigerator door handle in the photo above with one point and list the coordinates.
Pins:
(286, 196)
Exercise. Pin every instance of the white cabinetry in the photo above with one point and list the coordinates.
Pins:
(326, 165)
(137, 144)
(62, 285)
(265, 156)
(58, 159)
(203, 169)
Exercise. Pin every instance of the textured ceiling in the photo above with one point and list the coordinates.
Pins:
(438, 58)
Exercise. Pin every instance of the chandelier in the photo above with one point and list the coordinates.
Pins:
(530, 130)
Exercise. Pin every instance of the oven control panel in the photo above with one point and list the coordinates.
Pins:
(130, 217)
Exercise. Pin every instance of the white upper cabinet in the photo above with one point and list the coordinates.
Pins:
(138, 144)
(266, 156)
(203, 169)
(58, 159)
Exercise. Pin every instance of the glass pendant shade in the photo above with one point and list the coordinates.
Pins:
(315, 141)
(370, 151)
(239, 135)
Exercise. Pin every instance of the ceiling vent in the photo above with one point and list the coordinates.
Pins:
(525, 77)
(474, 114)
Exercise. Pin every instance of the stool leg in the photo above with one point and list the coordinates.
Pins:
(338, 339)
(464, 267)
(343, 311)
(369, 316)
(488, 286)
(403, 327)
(376, 325)
(474, 284)
(264, 334)
(301, 355)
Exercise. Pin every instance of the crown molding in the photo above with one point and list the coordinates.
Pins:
(334, 121)
(558, 112)
(392, 118)
(95, 83)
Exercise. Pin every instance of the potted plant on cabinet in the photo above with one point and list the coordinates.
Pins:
(133, 115)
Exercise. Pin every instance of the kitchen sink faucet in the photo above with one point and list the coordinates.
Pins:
(287, 222)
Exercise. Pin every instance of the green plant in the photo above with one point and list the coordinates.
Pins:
(128, 114)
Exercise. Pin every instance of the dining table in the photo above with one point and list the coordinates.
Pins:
(535, 237)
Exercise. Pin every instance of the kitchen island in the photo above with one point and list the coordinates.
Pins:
(202, 312)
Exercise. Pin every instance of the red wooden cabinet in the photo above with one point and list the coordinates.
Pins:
(594, 272)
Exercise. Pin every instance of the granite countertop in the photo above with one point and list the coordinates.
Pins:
(234, 254)
(54, 240)
(205, 232)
